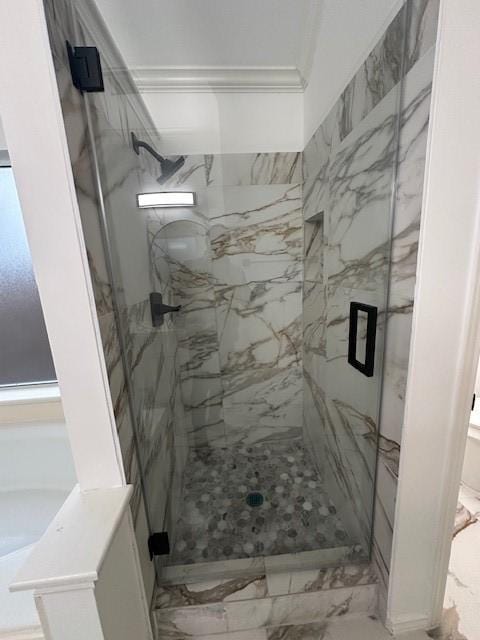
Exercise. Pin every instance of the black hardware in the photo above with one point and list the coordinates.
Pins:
(85, 68)
(158, 309)
(473, 401)
(168, 167)
(158, 544)
(365, 367)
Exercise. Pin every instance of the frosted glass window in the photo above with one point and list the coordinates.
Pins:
(24, 350)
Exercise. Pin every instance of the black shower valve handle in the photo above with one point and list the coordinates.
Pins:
(166, 308)
(158, 309)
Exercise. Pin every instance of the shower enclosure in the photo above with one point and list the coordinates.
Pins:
(249, 417)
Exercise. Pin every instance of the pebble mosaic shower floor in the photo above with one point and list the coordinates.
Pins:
(217, 523)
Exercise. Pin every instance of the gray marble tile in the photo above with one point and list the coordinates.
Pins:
(259, 328)
(191, 621)
(312, 560)
(360, 187)
(379, 73)
(247, 425)
(227, 590)
(256, 234)
(243, 169)
(300, 608)
(314, 319)
(208, 571)
(316, 159)
(422, 30)
(416, 22)
(280, 583)
(217, 523)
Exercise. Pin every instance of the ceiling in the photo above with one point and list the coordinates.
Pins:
(213, 33)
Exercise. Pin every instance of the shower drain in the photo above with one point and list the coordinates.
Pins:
(254, 499)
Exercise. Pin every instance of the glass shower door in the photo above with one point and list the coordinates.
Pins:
(349, 195)
(249, 419)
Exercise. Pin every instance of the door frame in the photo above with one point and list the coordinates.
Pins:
(445, 343)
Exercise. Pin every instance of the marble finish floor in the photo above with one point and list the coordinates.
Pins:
(216, 523)
(355, 628)
(461, 614)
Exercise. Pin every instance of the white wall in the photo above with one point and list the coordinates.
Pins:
(162, 33)
(348, 32)
(244, 121)
(254, 122)
(445, 342)
(196, 123)
(3, 142)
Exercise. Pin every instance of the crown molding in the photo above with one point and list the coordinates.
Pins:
(218, 79)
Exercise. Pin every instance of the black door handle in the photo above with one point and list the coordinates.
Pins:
(366, 367)
(158, 309)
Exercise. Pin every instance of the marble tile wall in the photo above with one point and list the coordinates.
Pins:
(235, 264)
(264, 600)
(349, 170)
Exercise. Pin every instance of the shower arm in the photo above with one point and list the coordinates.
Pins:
(139, 144)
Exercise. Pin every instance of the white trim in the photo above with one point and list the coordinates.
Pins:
(30, 394)
(30, 633)
(218, 79)
(475, 422)
(43, 174)
(85, 571)
(407, 624)
(73, 548)
(446, 327)
(30, 403)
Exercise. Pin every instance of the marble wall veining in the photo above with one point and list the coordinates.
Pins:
(266, 601)
(350, 166)
(235, 265)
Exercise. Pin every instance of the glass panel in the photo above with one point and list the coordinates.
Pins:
(342, 398)
(26, 356)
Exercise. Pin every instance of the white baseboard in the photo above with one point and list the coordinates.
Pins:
(407, 623)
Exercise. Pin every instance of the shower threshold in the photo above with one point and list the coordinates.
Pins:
(245, 567)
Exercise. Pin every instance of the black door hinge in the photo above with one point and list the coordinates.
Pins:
(473, 401)
(158, 544)
(85, 68)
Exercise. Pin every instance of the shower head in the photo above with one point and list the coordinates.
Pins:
(168, 167)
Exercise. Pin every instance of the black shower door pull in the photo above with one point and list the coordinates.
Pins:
(366, 367)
